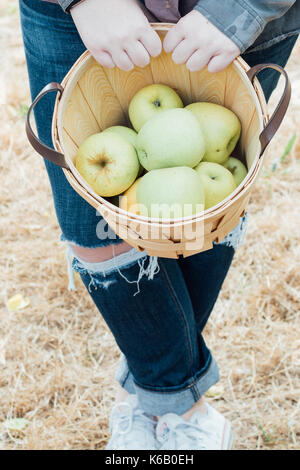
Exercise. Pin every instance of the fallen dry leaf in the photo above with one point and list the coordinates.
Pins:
(16, 424)
(17, 302)
(215, 391)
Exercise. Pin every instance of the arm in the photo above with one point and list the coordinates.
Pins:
(215, 33)
(116, 32)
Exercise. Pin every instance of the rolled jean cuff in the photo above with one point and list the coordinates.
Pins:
(168, 400)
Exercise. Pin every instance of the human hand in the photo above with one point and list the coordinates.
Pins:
(116, 32)
(196, 42)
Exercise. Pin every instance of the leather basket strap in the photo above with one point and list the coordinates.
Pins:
(46, 152)
(274, 122)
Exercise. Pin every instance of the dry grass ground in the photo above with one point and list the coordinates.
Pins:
(57, 357)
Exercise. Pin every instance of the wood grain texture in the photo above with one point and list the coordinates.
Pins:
(209, 87)
(239, 100)
(252, 143)
(70, 147)
(101, 97)
(79, 121)
(166, 72)
(126, 84)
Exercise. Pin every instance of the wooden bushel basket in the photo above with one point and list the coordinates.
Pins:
(92, 98)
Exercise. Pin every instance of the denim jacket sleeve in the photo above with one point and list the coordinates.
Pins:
(66, 4)
(242, 21)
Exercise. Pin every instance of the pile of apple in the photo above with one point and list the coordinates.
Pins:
(176, 160)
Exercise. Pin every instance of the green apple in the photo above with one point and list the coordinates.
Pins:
(218, 182)
(128, 134)
(108, 163)
(170, 193)
(171, 138)
(237, 168)
(150, 101)
(221, 129)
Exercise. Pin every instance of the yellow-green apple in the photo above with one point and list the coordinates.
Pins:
(108, 163)
(129, 199)
(150, 101)
(170, 193)
(218, 182)
(237, 168)
(221, 129)
(171, 138)
(128, 134)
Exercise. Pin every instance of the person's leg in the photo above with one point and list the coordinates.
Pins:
(205, 273)
(52, 45)
(153, 321)
(143, 300)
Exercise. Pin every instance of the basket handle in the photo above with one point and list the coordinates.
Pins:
(274, 122)
(47, 152)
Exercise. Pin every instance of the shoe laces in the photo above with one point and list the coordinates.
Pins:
(121, 420)
(180, 433)
(124, 416)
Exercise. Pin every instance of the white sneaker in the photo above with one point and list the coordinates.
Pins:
(130, 427)
(209, 431)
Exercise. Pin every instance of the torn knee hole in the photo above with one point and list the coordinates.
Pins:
(102, 253)
(105, 273)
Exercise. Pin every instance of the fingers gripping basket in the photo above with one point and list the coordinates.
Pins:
(92, 98)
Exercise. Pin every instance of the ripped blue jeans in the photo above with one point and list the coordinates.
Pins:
(156, 308)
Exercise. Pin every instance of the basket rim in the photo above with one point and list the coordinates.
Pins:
(79, 67)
